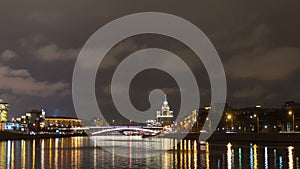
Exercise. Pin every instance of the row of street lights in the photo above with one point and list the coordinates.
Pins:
(230, 117)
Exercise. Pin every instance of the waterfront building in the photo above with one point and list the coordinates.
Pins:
(35, 116)
(3, 114)
(33, 121)
(2, 126)
(291, 105)
(256, 119)
(292, 109)
(62, 122)
(36, 120)
(3, 111)
(165, 116)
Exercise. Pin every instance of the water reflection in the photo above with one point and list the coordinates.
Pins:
(229, 156)
(207, 155)
(240, 158)
(255, 156)
(136, 146)
(266, 158)
(81, 152)
(290, 156)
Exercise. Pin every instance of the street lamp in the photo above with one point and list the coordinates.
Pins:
(293, 116)
(257, 122)
(209, 123)
(229, 117)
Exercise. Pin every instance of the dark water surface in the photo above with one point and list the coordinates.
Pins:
(83, 152)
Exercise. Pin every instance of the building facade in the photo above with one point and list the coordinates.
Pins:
(3, 111)
(165, 116)
(61, 122)
(37, 121)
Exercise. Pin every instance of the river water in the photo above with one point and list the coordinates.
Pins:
(84, 152)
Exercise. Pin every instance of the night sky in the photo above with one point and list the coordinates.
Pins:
(258, 43)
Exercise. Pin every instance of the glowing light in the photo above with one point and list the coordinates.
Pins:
(255, 156)
(240, 158)
(207, 156)
(229, 154)
(195, 154)
(291, 157)
(33, 153)
(266, 158)
(280, 162)
(23, 154)
(8, 155)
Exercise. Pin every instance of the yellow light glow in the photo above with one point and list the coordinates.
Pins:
(65, 119)
(291, 157)
(207, 156)
(258, 106)
(229, 116)
(255, 156)
(229, 154)
(290, 112)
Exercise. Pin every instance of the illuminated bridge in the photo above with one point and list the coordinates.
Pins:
(98, 130)
(127, 129)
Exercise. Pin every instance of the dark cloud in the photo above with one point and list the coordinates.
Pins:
(52, 53)
(256, 91)
(268, 64)
(20, 82)
(7, 55)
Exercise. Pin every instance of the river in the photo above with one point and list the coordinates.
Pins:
(84, 152)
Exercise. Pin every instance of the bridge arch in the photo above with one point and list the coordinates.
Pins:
(126, 129)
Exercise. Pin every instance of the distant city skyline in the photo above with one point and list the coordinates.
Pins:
(258, 43)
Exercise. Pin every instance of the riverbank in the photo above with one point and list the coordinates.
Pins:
(243, 137)
(256, 137)
(7, 135)
(215, 137)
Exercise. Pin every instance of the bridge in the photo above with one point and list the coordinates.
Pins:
(95, 130)
(127, 129)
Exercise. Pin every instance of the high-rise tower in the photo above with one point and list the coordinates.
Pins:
(165, 116)
(3, 111)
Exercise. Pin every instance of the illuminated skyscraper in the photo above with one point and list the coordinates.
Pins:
(165, 116)
(3, 111)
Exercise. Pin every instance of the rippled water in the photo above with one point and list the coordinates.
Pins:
(83, 152)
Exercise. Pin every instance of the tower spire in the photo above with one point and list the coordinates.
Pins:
(165, 100)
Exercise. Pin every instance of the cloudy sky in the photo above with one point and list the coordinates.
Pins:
(258, 43)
